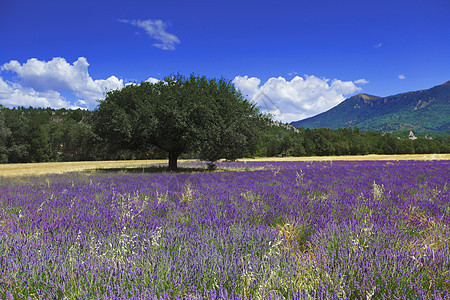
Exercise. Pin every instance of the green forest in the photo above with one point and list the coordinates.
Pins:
(52, 135)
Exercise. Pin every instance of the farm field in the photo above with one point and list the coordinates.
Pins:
(332, 229)
(8, 170)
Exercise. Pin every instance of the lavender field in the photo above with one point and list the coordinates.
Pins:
(267, 230)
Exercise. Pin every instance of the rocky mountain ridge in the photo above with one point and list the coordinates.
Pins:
(425, 111)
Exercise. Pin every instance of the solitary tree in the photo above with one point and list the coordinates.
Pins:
(180, 115)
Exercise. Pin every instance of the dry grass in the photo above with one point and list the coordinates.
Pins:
(8, 170)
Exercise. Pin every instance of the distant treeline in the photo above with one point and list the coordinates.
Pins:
(44, 135)
(286, 140)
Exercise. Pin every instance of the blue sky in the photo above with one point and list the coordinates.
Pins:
(294, 58)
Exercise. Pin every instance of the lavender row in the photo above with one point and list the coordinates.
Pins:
(282, 230)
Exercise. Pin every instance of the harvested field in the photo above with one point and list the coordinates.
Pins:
(64, 167)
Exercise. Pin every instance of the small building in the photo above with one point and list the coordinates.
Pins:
(412, 136)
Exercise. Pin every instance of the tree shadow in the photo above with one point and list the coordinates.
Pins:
(147, 170)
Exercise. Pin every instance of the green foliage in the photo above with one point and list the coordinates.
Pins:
(5, 133)
(38, 135)
(180, 115)
(285, 140)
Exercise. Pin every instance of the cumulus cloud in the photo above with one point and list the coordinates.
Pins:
(152, 80)
(41, 80)
(361, 81)
(378, 45)
(298, 98)
(81, 104)
(401, 76)
(156, 29)
(15, 95)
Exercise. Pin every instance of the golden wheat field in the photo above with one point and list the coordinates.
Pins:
(8, 170)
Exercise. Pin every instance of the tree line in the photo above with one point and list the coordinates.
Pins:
(179, 117)
(46, 135)
(286, 140)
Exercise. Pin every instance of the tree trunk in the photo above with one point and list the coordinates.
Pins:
(173, 161)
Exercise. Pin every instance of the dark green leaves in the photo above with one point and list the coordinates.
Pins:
(179, 115)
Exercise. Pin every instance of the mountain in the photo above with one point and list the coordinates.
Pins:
(426, 111)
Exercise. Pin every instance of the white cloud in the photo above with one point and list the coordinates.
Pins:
(378, 45)
(361, 81)
(41, 79)
(15, 95)
(81, 104)
(401, 76)
(156, 29)
(296, 99)
(152, 80)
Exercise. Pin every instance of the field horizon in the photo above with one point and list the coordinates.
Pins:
(34, 169)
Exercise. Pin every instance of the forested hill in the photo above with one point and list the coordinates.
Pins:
(40, 135)
(426, 111)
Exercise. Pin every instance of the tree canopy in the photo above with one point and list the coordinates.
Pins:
(46, 134)
(180, 115)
